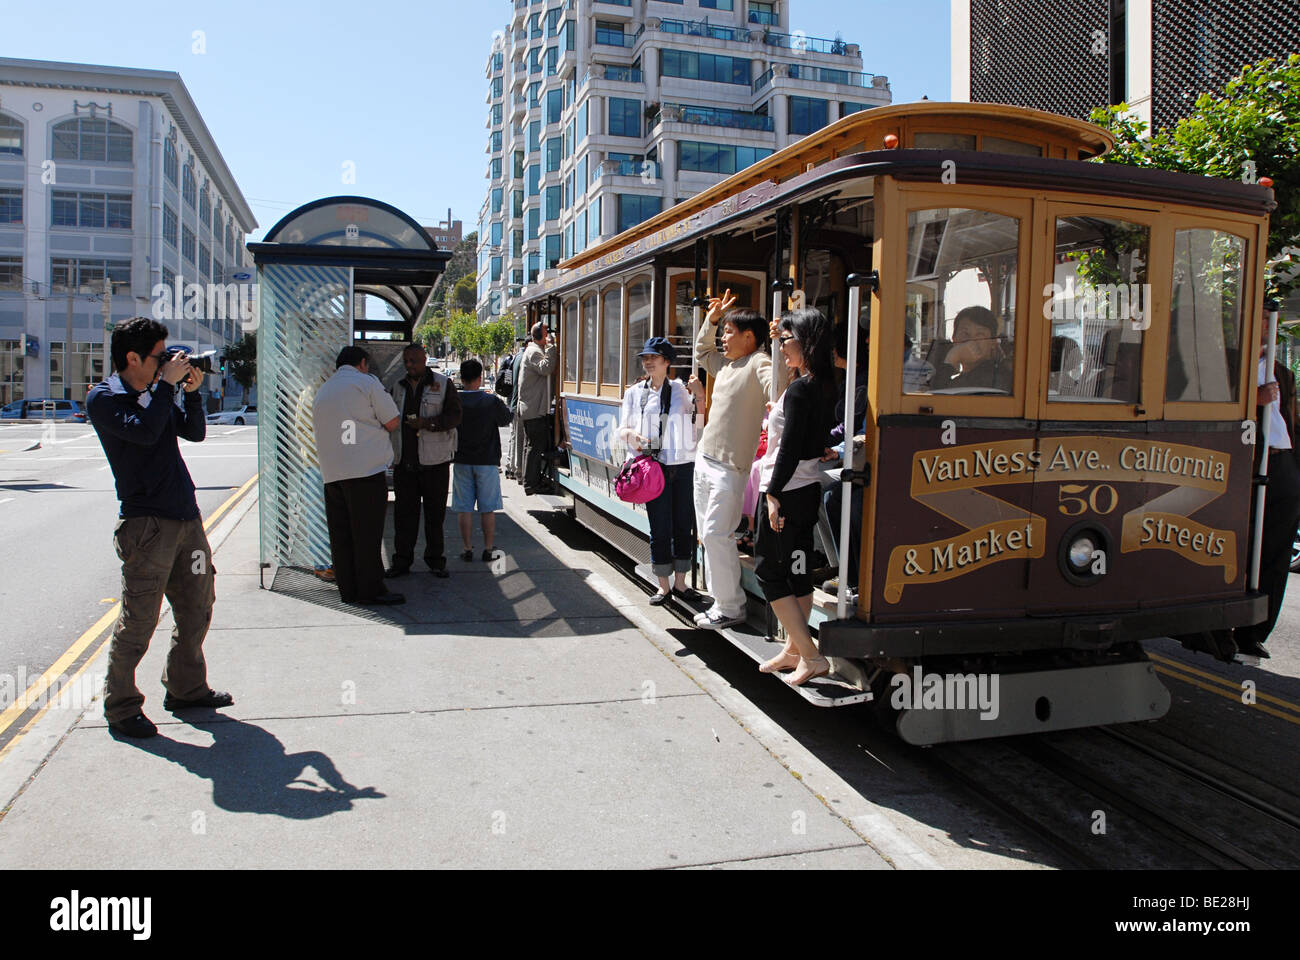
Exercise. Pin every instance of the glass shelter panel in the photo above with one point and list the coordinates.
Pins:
(961, 302)
(1100, 299)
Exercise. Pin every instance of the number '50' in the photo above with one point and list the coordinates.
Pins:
(1102, 499)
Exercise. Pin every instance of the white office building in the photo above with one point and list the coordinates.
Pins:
(108, 177)
(603, 113)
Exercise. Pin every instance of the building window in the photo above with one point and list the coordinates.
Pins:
(188, 185)
(497, 228)
(554, 106)
(594, 211)
(12, 364)
(171, 162)
(11, 136)
(634, 209)
(497, 194)
(552, 61)
(849, 107)
(11, 205)
(92, 140)
(568, 191)
(553, 147)
(205, 261)
(552, 251)
(518, 167)
(87, 362)
(534, 266)
(582, 181)
(553, 203)
(807, 115)
(718, 157)
(170, 226)
(516, 244)
(188, 244)
(497, 88)
(517, 203)
(496, 141)
(496, 114)
(169, 277)
(534, 136)
(534, 179)
(624, 117)
(611, 33)
(583, 129)
(11, 273)
(568, 241)
(553, 21)
(535, 26)
(717, 4)
(580, 232)
(88, 275)
(496, 269)
(534, 95)
(205, 208)
(534, 223)
(713, 68)
(494, 169)
(91, 210)
(763, 14)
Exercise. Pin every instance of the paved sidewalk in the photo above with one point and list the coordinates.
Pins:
(500, 719)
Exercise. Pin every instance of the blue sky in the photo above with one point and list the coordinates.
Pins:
(293, 90)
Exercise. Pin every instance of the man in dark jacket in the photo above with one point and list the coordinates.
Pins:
(476, 471)
(159, 535)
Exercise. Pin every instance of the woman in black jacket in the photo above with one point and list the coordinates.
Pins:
(791, 483)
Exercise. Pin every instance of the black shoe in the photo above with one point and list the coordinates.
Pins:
(468, 556)
(529, 491)
(213, 699)
(690, 595)
(659, 599)
(138, 727)
(440, 572)
(489, 556)
(383, 600)
(397, 570)
(1249, 648)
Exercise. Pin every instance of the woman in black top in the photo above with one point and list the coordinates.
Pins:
(791, 483)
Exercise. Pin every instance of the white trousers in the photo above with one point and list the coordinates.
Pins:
(719, 499)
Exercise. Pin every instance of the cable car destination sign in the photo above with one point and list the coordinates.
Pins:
(951, 481)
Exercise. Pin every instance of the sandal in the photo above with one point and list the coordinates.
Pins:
(808, 670)
(785, 660)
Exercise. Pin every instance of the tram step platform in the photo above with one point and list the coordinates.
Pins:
(828, 691)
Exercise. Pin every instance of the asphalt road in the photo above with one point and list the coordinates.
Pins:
(58, 571)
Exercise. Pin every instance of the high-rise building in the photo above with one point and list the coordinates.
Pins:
(108, 177)
(602, 113)
(1070, 56)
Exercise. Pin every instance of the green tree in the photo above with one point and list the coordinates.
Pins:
(1250, 129)
(465, 293)
(241, 362)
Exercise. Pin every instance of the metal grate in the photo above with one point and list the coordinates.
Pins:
(304, 323)
(1048, 54)
(1198, 47)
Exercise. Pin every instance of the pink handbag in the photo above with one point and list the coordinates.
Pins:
(640, 481)
(642, 478)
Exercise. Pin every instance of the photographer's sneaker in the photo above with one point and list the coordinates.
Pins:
(715, 619)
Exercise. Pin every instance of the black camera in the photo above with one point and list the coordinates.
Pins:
(199, 361)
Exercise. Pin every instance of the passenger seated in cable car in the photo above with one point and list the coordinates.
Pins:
(798, 427)
(975, 362)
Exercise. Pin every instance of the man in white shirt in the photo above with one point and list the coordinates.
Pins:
(1281, 497)
(352, 418)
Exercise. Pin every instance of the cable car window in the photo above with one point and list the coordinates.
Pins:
(1205, 317)
(1018, 147)
(571, 340)
(638, 325)
(1100, 308)
(611, 333)
(944, 141)
(961, 302)
(589, 338)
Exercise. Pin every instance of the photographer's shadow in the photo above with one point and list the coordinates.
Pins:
(251, 773)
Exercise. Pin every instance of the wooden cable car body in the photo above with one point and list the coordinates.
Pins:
(1035, 503)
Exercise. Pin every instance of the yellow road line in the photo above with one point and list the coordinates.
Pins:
(42, 683)
(1236, 687)
(49, 703)
(1235, 697)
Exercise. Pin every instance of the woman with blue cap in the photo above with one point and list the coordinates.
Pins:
(658, 418)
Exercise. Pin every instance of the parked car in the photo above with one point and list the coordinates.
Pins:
(63, 411)
(239, 417)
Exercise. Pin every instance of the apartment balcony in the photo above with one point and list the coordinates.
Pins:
(712, 117)
(630, 168)
(702, 28)
(800, 43)
(764, 19)
(604, 71)
(827, 75)
(612, 38)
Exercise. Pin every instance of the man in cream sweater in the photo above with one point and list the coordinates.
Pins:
(742, 381)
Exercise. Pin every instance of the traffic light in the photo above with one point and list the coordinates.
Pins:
(223, 364)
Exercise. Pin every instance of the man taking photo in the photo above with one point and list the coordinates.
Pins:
(159, 535)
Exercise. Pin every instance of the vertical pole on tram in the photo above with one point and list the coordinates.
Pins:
(1270, 354)
(855, 282)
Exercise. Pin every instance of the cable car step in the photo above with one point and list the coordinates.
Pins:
(828, 691)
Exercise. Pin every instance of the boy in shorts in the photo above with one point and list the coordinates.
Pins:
(476, 476)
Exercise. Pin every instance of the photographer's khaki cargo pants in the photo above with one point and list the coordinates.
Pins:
(160, 557)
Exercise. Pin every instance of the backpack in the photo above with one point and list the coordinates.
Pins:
(505, 386)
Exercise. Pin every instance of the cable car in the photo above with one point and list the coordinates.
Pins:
(1058, 454)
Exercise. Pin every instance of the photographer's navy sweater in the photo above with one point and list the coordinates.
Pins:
(140, 441)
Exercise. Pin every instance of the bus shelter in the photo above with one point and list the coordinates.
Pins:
(314, 271)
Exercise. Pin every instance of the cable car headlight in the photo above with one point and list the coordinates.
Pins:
(1081, 553)
(1085, 554)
